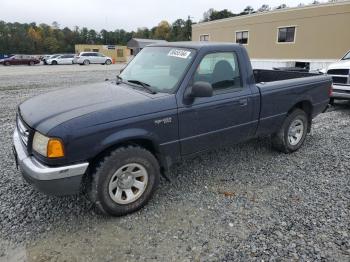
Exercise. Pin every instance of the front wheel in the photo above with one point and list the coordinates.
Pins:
(292, 134)
(86, 62)
(124, 181)
(108, 62)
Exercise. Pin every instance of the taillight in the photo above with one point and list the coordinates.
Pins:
(330, 91)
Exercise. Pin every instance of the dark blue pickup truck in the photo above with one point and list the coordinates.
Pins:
(172, 101)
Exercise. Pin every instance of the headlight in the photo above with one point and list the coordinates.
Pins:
(48, 147)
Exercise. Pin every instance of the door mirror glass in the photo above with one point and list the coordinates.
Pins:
(201, 89)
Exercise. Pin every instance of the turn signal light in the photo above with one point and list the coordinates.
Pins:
(330, 91)
(55, 148)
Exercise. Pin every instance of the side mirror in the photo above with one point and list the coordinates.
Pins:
(201, 89)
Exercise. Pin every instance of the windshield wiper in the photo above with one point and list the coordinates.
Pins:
(144, 85)
(119, 80)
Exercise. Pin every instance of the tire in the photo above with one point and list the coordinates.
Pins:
(31, 63)
(106, 180)
(54, 63)
(331, 101)
(292, 134)
(86, 62)
(108, 62)
(7, 63)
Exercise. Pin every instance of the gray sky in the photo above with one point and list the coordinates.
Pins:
(114, 14)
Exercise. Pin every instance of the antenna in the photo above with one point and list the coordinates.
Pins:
(106, 46)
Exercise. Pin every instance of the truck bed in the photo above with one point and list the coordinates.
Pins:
(263, 76)
(281, 90)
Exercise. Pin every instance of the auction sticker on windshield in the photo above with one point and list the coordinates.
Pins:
(179, 53)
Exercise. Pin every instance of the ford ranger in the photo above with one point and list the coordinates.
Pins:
(173, 101)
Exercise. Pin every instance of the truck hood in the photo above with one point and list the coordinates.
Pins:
(49, 110)
(342, 64)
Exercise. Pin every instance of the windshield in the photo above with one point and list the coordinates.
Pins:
(161, 68)
(346, 57)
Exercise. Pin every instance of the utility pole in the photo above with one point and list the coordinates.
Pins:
(189, 28)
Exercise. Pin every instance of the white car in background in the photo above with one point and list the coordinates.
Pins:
(340, 72)
(47, 57)
(65, 59)
(86, 58)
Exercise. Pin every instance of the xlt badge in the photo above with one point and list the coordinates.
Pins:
(166, 120)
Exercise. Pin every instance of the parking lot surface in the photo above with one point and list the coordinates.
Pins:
(245, 202)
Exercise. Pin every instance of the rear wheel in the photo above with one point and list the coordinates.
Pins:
(31, 63)
(124, 181)
(86, 62)
(108, 62)
(54, 63)
(7, 63)
(292, 134)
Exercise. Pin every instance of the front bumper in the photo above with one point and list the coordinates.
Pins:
(62, 180)
(341, 91)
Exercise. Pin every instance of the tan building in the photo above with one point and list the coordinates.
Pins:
(117, 53)
(313, 35)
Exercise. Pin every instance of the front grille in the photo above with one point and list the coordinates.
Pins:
(341, 91)
(344, 72)
(340, 80)
(23, 131)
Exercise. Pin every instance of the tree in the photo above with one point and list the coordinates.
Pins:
(282, 6)
(247, 10)
(264, 8)
(215, 15)
(51, 44)
(207, 15)
(178, 30)
(55, 25)
(142, 32)
(162, 30)
(92, 37)
(43, 38)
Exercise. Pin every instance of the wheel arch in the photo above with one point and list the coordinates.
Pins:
(307, 107)
(145, 141)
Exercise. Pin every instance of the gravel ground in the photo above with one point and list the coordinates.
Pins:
(245, 202)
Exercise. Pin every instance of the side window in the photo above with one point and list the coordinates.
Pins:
(204, 37)
(221, 70)
(242, 37)
(286, 34)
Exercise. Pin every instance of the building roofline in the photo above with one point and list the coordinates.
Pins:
(148, 40)
(284, 10)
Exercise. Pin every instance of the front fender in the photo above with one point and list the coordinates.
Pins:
(130, 134)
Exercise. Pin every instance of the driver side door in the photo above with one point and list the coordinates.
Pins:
(225, 117)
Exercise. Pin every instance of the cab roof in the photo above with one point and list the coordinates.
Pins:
(198, 45)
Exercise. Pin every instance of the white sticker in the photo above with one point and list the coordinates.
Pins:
(179, 53)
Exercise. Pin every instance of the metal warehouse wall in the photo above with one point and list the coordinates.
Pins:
(322, 32)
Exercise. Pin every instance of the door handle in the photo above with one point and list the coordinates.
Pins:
(243, 102)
